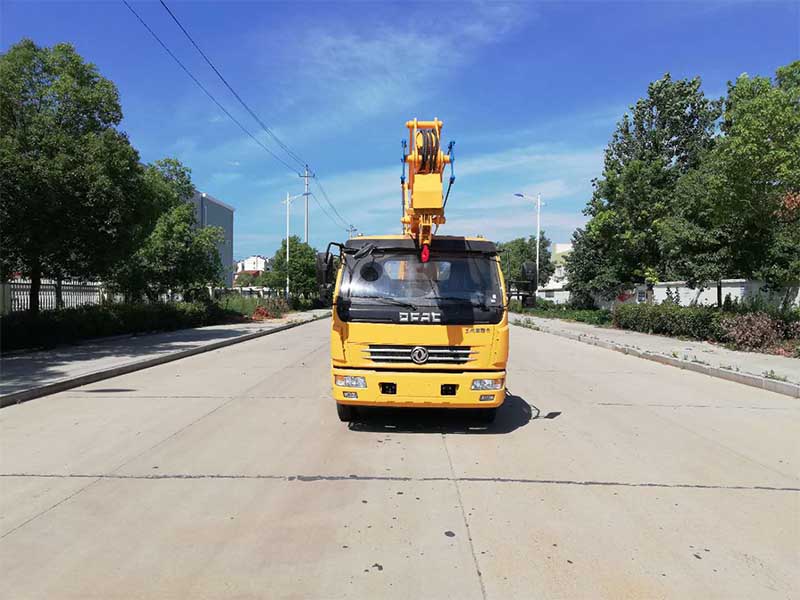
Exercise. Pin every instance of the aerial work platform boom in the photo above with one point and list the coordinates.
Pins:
(422, 194)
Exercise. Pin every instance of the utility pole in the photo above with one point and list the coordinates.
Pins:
(288, 204)
(350, 231)
(306, 175)
(538, 233)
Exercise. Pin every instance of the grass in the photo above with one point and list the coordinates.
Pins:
(771, 374)
(528, 323)
(243, 305)
(247, 306)
(549, 310)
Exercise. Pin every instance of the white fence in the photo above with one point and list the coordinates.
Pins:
(250, 292)
(737, 290)
(15, 295)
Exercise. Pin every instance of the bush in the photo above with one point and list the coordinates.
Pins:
(54, 327)
(697, 322)
(254, 306)
(271, 308)
(752, 331)
(551, 310)
(746, 330)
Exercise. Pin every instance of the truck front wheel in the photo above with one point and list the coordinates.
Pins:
(346, 412)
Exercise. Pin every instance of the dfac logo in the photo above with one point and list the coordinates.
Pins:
(419, 355)
(420, 317)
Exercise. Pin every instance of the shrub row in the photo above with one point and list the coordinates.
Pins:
(253, 306)
(53, 327)
(698, 322)
(275, 306)
(750, 331)
(551, 310)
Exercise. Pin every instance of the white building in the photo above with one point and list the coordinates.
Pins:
(555, 290)
(253, 264)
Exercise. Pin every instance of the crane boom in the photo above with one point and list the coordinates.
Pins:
(422, 193)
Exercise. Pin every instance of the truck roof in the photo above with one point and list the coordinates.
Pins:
(440, 243)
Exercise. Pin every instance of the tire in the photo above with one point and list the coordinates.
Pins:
(485, 415)
(346, 412)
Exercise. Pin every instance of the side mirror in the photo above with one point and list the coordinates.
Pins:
(330, 274)
(326, 274)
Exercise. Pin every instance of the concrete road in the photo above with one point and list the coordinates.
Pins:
(228, 475)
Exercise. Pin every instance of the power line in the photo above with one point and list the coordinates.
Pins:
(328, 200)
(286, 148)
(252, 113)
(202, 87)
(322, 208)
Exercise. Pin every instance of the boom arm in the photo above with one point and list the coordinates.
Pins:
(423, 200)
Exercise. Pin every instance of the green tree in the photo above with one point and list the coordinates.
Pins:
(737, 215)
(70, 182)
(588, 274)
(516, 253)
(245, 280)
(176, 254)
(665, 136)
(302, 268)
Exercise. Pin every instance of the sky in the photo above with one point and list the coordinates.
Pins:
(530, 92)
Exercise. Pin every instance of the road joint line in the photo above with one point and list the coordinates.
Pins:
(400, 478)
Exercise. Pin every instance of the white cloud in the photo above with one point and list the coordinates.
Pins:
(355, 71)
(485, 186)
(558, 226)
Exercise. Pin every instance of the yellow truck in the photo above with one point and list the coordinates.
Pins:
(419, 320)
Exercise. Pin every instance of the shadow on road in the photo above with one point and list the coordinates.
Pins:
(513, 414)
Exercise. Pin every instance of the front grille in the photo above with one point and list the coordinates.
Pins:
(451, 355)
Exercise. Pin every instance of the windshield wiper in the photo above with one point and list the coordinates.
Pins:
(479, 303)
(388, 300)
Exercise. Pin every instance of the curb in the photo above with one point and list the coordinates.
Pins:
(780, 387)
(66, 384)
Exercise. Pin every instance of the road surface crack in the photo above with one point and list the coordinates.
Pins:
(455, 481)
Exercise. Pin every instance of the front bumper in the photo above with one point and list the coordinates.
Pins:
(419, 389)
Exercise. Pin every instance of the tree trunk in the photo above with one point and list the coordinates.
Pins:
(719, 294)
(36, 286)
(59, 292)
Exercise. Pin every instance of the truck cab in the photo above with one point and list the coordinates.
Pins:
(419, 331)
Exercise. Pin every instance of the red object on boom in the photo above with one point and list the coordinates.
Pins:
(425, 254)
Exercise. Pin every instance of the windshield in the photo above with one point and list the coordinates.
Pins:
(396, 277)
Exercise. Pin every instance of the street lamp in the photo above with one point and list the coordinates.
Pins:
(288, 202)
(538, 201)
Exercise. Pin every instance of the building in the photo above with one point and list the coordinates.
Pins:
(211, 212)
(253, 265)
(555, 290)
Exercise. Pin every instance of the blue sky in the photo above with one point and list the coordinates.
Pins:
(530, 92)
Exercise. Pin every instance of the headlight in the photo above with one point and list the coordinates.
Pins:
(350, 381)
(487, 384)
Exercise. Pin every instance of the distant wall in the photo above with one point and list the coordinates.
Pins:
(557, 296)
(737, 289)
